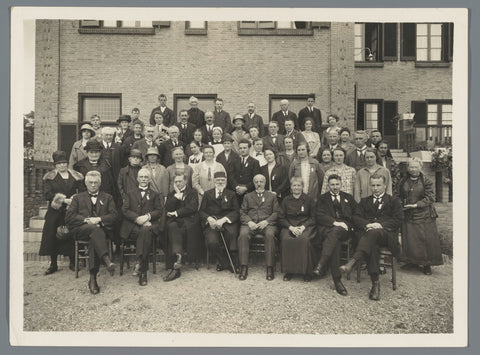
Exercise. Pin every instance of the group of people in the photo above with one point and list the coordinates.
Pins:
(205, 181)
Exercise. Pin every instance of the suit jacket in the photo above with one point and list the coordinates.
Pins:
(258, 209)
(108, 184)
(280, 118)
(297, 137)
(127, 180)
(256, 121)
(186, 135)
(186, 208)
(390, 216)
(196, 117)
(279, 146)
(278, 179)
(245, 173)
(143, 146)
(168, 116)
(206, 135)
(135, 206)
(114, 158)
(165, 151)
(230, 166)
(222, 119)
(352, 159)
(226, 206)
(82, 207)
(326, 213)
(127, 146)
(316, 115)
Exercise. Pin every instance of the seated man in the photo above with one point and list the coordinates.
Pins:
(334, 217)
(90, 215)
(183, 225)
(378, 218)
(219, 215)
(143, 220)
(258, 215)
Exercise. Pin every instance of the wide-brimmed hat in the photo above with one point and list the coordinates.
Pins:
(127, 118)
(136, 153)
(152, 151)
(59, 157)
(219, 174)
(238, 117)
(93, 144)
(227, 138)
(87, 127)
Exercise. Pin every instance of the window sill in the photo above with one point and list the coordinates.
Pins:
(196, 31)
(117, 31)
(274, 32)
(368, 64)
(432, 64)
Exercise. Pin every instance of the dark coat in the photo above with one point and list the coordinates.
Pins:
(108, 184)
(135, 206)
(227, 206)
(352, 159)
(196, 117)
(143, 146)
(125, 135)
(127, 146)
(279, 179)
(245, 173)
(114, 158)
(186, 135)
(423, 194)
(127, 180)
(206, 135)
(326, 214)
(165, 151)
(280, 118)
(168, 116)
(297, 137)
(279, 146)
(297, 212)
(256, 121)
(258, 209)
(230, 167)
(222, 119)
(316, 115)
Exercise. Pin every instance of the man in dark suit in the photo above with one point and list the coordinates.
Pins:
(90, 214)
(128, 142)
(165, 149)
(219, 213)
(247, 168)
(143, 220)
(230, 161)
(146, 142)
(377, 218)
(195, 115)
(207, 129)
(253, 120)
(356, 158)
(168, 116)
(186, 128)
(128, 176)
(258, 215)
(273, 139)
(222, 118)
(293, 133)
(282, 115)
(312, 112)
(183, 227)
(112, 152)
(334, 217)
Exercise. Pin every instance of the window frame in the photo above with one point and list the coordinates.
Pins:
(99, 28)
(85, 95)
(196, 31)
(440, 124)
(269, 28)
(187, 96)
(281, 97)
(429, 43)
(378, 51)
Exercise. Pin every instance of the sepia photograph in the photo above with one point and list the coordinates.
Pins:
(239, 177)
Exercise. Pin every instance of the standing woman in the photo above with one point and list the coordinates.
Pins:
(346, 141)
(311, 137)
(196, 155)
(239, 132)
(309, 170)
(217, 140)
(288, 156)
(178, 168)
(78, 150)
(362, 182)
(347, 173)
(202, 179)
(297, 222)
(325, 158)
(420, 240)
(60, 184)
(159, 176)
(332, 121)
(276, 175)
(198, 138)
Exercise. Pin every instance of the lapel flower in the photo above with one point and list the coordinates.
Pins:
(101, 202)
(273, 177)
(302, 209)
(226, 200)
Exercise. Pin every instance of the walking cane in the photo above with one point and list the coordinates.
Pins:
(228, 253)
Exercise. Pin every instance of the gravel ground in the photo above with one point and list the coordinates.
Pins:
(206, 301)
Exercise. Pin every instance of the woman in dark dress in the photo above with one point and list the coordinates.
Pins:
(297, 222)
(60, 184)
(420, 240)
(276, 175)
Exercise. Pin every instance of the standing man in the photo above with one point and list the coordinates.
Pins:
(146, 142)
(207, 129)
(166, 147)
(312, 112)
(142, 220)
(230, 160)
(90, 214)
(123, 130)
(222, 118)
(195, 115)
(334, 217)
(96, 122)
(258, 215)
(168, 117)
(185, 127)
(293, 133)
(333, 140)
(284, 114)
(253, 120)
(219, 213)
(356, 158)
(247, 168)
(273, 139)
(377, 218)
(128, 142)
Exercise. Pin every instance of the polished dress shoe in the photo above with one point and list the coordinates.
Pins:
(318, 270)
(172, 275)
(220, 267)
(307, 278)
(142, 279)
(374, 294)
(243, 272)
(427, 270)
(287, 277)
(270, 274)
(347, 268)
(178, 262)
(51, 269)
(341, 290)
(93, 286)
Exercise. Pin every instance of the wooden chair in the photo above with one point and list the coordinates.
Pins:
(82, 250)
(386, 260)
(346, 253)
(128, 248)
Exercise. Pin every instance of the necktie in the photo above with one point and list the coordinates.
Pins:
(260, 194)
(274, 139)
(209, 174)
(184, 126)
(244, 161)
(378, 201)
(174, 143)
(219, 195)
(284, 113)
(336, 204)
(143, 193)
(259, 154)
(93, 199)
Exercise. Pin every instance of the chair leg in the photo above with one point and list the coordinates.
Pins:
(76, 259)
(122, 246)
(208, 259)
(359, 269)
(110, 249)
(348, 256)
(394, 273)
(154, 256)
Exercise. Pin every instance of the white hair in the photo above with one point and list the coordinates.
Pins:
(108, 130)
(193, 99)
(284, 102)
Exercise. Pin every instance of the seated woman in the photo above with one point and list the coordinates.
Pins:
(346, 173)
(420, 240)
(298, 228)
(60, 184)
(202, 178)
(324, 157)
(179, 167)
(276, 175)
(312, 138)
(196, 154)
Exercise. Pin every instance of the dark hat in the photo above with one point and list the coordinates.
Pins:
(87, 127)
(59, 157)
(93, 144)
(219, 174)
(127, 118)
(136, 153)
(227, 138)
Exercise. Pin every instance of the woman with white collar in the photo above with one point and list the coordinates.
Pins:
(217, 141)
(202, 179)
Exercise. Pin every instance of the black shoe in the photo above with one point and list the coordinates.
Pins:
(318, 270)
(110, 265)
(347, 268)
(409, 266)
(341, 290)
(142, 279)
(172, 275)
(220, 267)
(270, 274)
(178, 262)
(427, 270)
(71, 266)
(243, 272)
(307, 278)
(287, 277)
(93, 286)
(53, 268)
(374, 294)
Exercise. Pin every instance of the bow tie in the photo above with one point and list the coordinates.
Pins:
(275, 136)
(93, 195)
(335, 197)
(259, 154)
(361, 150)
(377, 200)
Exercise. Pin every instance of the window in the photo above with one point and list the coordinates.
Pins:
(140, 27)
(205, 102)
(285, 28)
(433, 120)
(375, 42)
(196, 27)
(427, 42)
(295, 103)
(107, 106)
(371, 116)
